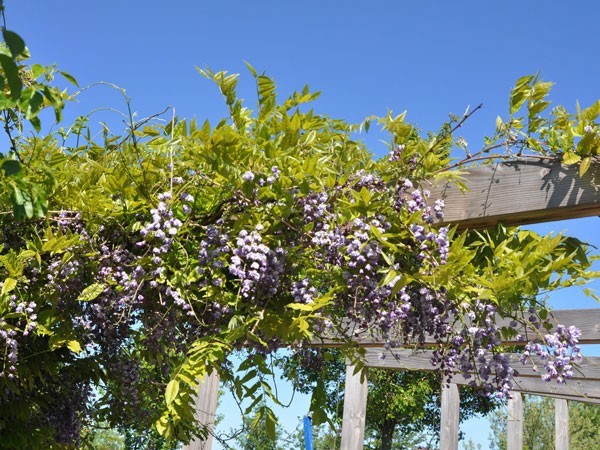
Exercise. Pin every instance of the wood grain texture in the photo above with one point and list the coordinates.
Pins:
(519, 194)
(514, 438)
(449, 417)
(561, 424)
(528, 381)
(587, 320)
(588, 368)
(355, 410)
(206, 408)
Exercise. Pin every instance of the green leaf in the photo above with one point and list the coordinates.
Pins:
(590, 114)
(171, 391)
(15, 44)
(33, 105)
(520, 93)
(571, 158)
(585, 165)
(8, 285)
(57, 103)
(11, 167)
(91, 292)
(37, 70)
(11, 71)
(251, 69)
(18, 196)
(270, 424)
(590, 293)
(36, 123)
(541, 89)
(299, 306)
(70, 78)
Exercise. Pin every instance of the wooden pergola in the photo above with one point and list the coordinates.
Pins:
(509, 193)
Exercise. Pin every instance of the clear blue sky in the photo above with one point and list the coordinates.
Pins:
(428, 57)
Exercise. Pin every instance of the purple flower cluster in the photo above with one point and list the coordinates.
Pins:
(368, 180)
(160, 232)
(431, 241)
(396, 153)
(255, 265)
(211, 256)
(275, 173)
(315, 208)
(126, 398)
(558, 352)
(188, 201)
(415, 200)
(10, 346)
(303, 292)
(422, 312)
(248, 176)
(66, 406)
(473, 352)
(329, 243)
(365, 298)
(24, 315)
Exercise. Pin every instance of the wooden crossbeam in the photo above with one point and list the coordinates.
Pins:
(584, 386)
(588, 368)
(520, 193)
(587, 320)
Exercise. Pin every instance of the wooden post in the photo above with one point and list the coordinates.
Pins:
(561, 424)
(514, 439)
(450, 416)
(355, 410)
(206, 408)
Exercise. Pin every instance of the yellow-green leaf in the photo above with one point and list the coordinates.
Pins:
(8, 285)
(300, 306)
(585, 165)
(74, 346)
(91, 292)
(172, 391)
(571, 158)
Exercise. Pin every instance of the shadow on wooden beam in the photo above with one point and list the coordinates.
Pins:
(519, 194)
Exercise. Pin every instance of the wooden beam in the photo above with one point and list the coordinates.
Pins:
(588, 368)
(355, 410)
(561, 424)
(577, 389)
(520, 193)
(206, 408)
(450, 417)
(587, 320)
(514, 438)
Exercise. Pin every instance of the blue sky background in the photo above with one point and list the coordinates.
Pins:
(428, 57)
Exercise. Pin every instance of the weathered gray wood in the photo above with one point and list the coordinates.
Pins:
(587, 320)
(588, 368)
(579, 388)
(514, 438)
(450, 417)
(206, 408)
(355, 410)
(561, 424)
(520, 193)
